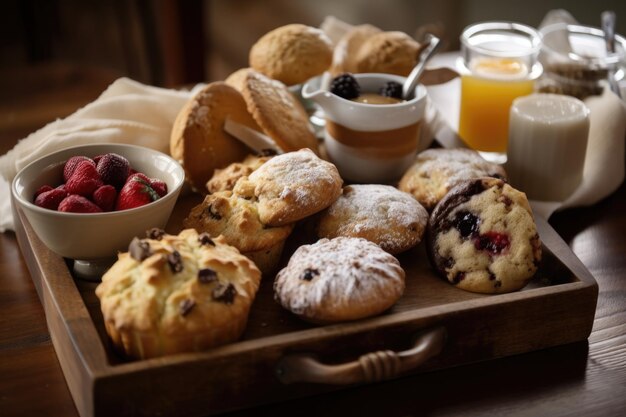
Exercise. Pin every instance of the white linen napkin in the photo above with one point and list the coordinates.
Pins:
(126, 112)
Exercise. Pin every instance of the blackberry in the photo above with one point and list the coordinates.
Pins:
(345, 86)
(391, 89)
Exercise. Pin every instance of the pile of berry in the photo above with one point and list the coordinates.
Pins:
(104, 183)
(346, 86)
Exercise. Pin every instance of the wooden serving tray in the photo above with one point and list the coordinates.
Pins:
(557, 307)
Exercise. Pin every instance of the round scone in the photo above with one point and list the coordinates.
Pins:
(225, 179)
(278, 112)
(292, 54)
(238, 78)
(482, 237)
(342, 279)
(436, 171)
(388, 52)
(171, 294)
(291, 186)
(382, 214)
(198, 140)
(237, 220)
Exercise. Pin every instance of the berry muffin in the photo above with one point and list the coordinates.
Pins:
(171, 294)
(382, 214)
(339, 280)
(290, 187)
(482, 237)
(292, 54)
(436, 171)
(237, 220)
(225, 179)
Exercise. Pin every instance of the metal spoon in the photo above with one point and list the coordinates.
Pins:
(608, 27)
(408, 88)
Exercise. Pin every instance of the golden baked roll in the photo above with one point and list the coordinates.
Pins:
(388, 52)
(225, 179)
(382, 214)
(291, 186)
(198, 140)
(292, 54)
(341, 279)
(170, 294)
(237, 220)
(436, 171)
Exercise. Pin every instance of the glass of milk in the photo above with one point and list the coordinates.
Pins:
(547, 145)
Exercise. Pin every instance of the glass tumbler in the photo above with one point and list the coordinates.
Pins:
(498, 63)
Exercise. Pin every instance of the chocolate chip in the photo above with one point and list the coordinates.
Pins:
(448, 263)
(213, 213)
(492, 276)
(139, 249)
(497, 284)
(309, 274)
(206, 275)
(175, 261)
(224, 293)
(205, 239)
(186, 306)
(155, 233)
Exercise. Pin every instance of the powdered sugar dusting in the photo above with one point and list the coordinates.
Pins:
(347, 274)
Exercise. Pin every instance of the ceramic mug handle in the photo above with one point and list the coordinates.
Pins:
(370, 367)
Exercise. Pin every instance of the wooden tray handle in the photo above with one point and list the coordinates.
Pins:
(370, 367)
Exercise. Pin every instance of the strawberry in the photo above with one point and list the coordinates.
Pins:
(136, 192)
(104, 197)
(97, 158)
(43, 189)
(50, 199)
(84, 180)
(78, 204)
(72, 163)
(159, 186)
(113, 169)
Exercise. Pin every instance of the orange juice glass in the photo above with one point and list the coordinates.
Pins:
(498, 64)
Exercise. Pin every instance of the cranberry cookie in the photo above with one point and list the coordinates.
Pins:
(436, 171)
(382, 214)
(171, 294)
(482, 237)
(341, 279)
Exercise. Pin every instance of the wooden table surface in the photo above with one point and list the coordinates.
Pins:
(582, 379)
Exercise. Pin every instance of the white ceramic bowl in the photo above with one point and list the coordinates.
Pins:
(378, 142)
(93, 239)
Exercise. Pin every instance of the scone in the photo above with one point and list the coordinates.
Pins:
(280, 114)
(291, 186)
(292, 54)
(341, 279)
(388, 52)
(482, 237)
(198, 140)
(345, 53)
(382, 214)
(436, 171)
(238, 78)
(237, 220)
(225, 179)
(171, 294)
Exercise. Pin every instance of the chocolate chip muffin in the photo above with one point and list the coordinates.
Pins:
(342, 279)
(382, 214)
(237, 220)
(436, 171)
(482, 237)
(170, 294)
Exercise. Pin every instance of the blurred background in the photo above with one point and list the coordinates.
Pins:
(57, 55)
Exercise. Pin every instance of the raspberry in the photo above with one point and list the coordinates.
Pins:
(392, 89)
(84, 180)
(345, 86)
(50, 199)
(113, 169)
(104, 197)
(492, 242)
(78, 204)
(72, 163)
